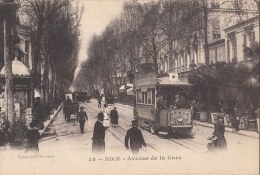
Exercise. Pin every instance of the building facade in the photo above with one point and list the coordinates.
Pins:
(242, 34)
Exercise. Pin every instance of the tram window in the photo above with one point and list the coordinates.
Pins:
(144, 97)
(149, 96)
(153, 96)
(139, 96)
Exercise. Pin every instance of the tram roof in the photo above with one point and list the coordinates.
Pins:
(179, 84)
(167, 82)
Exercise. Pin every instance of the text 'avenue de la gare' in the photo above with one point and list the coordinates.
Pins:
(110, 159)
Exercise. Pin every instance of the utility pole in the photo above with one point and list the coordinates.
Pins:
(8, 23)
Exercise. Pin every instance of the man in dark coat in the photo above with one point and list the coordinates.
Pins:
(67, 108)
(81, 118)
(219, 133)
(136, 138)
(33, 136)
(114, 117)
(98, 139)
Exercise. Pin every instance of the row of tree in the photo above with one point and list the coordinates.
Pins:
(53, 27)
(144, 32)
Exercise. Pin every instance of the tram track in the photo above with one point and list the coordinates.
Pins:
(119, 132)
(187, 143)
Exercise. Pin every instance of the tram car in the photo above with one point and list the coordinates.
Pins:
(83, 96)
(161, 104)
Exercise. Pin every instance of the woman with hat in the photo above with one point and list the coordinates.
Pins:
(81, 118)
(98, 139)
(106, 122)
(219, 133)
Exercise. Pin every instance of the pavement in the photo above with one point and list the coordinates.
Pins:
(47, 122)
(247, 133)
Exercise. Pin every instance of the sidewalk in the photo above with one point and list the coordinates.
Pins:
(47, 122)
(252, 134)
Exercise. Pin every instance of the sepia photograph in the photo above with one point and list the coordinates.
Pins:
(129, 87)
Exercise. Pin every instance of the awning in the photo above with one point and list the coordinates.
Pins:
(130, 91)
(18, 68)
(122, 88)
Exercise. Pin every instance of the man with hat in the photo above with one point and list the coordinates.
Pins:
(98, 139)
(219, 133)
(81, 118)
(136, 138)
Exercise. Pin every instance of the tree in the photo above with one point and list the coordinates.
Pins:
(53, 48)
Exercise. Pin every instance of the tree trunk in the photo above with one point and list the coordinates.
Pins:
(8, 57)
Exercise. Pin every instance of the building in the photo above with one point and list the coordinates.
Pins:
(237, 36)
(222, 14)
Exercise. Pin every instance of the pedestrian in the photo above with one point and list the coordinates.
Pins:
(98, 139)
(136, 138)
(99, 102)
(33, 136)
(235, 121)
(219, 131)
(114, 117)
(106, 122)
(67, 109)
(81, 118)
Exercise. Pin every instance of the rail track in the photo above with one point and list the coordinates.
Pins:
(182, 139)
(119, 132)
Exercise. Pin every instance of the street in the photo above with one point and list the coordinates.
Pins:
(68, 150)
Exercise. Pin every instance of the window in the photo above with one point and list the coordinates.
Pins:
(26, 46)
(149, 97)
(245, 40)
(216, 55)
(185, 64)
(228, 50)
(139, 96)
(216, 35)
(26, 60)
(215, 5)
(144, 97)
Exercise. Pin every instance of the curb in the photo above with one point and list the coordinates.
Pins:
(227, 129)
(54, 115)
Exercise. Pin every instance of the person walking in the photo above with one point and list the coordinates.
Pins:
(99, 102)
(98, 139)
(67, 108)
(114, 117)
(106, 122)
(136, 138)
(219, 131)
(81, 118)
(33, 136)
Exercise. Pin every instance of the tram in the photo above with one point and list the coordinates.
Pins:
(161, 104)
(83, 96)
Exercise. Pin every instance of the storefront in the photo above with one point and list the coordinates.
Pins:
(22, 90)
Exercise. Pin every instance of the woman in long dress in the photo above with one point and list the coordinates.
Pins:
(106, 122)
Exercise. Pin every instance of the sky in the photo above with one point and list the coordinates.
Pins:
(96, 16)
